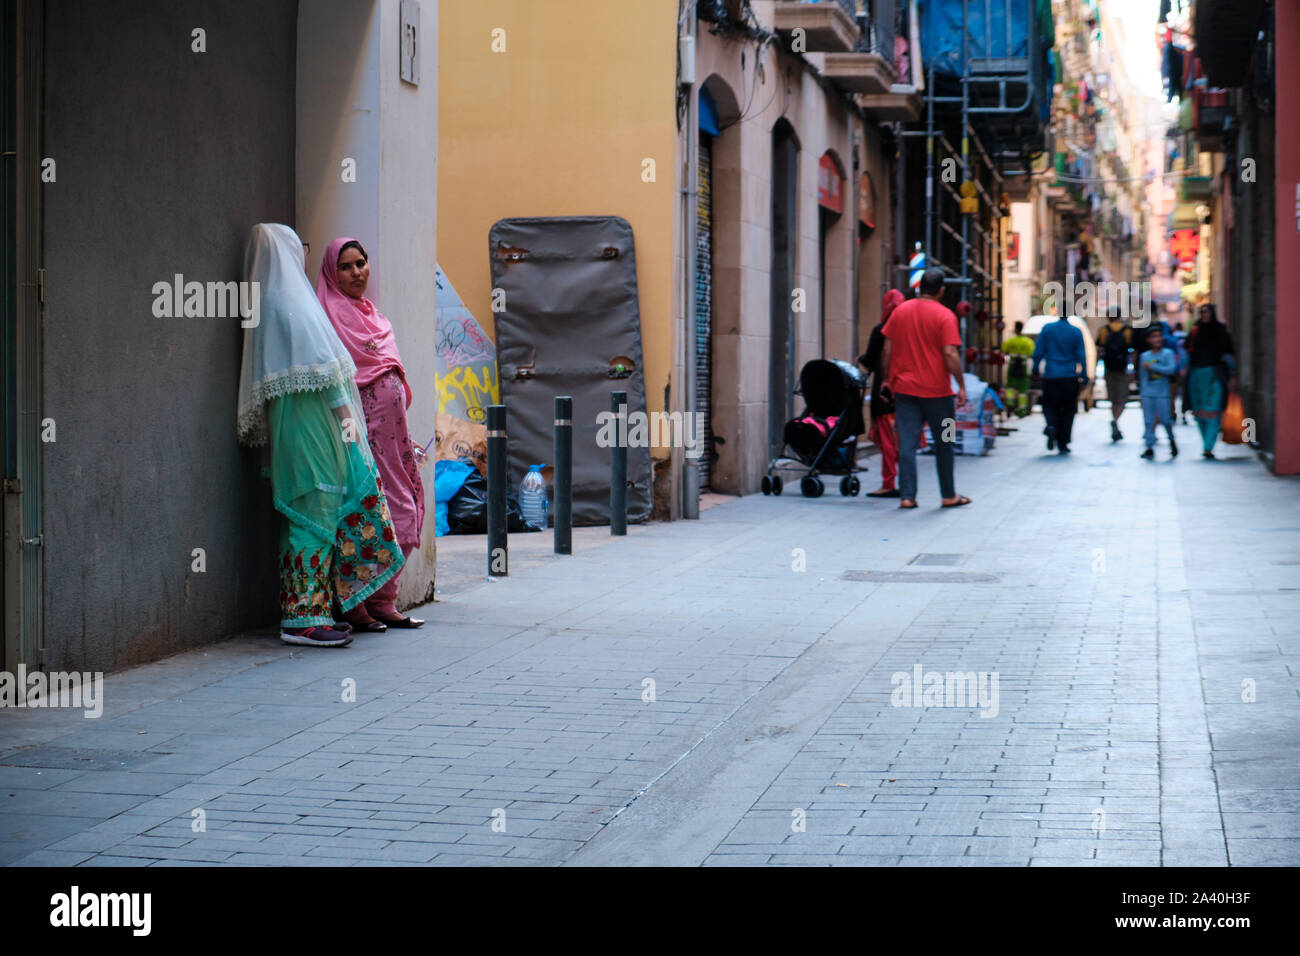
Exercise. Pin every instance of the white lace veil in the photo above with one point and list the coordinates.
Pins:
(293, 347)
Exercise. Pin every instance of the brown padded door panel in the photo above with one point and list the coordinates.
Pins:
(571, 318)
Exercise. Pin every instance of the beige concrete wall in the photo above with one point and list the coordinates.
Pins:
(558, 123)
(876, 272)
(1019, 286)
(390, 129)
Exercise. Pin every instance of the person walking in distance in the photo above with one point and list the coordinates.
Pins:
(1060, 349)
(921, 353)
(1114, 339)
(883, 432)
(1211, 375)
(1158, 368)
(1179, 345)
(1020, 347)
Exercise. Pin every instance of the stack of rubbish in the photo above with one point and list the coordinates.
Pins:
(976, 428)
(466, 366)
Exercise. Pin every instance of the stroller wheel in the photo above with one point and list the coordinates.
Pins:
(850, 486)
(766, 484)
(811, 486)
(777, 484)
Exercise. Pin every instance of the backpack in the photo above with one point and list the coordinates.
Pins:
(1115, 349)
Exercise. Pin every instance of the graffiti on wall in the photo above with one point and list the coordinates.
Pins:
(466, 358)
(467, 391)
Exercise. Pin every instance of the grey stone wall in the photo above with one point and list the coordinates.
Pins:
(165, 158)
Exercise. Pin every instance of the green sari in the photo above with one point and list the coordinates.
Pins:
(337, 545)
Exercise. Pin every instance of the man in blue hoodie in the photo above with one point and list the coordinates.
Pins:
(1157, 368)
(1060, 345)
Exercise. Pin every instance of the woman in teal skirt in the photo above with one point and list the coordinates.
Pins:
(1211, 374)
(297, 393)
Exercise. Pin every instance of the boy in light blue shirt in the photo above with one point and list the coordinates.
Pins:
(1157, 369)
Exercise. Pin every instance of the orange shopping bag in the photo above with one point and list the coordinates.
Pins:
(1232, 420)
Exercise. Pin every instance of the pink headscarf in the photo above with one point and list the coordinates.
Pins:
(365, 332)
(892, 300)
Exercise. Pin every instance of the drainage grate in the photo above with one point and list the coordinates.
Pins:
(921, 577)
(938, 559)
(77, 758)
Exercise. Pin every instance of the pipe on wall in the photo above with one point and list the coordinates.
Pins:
(690, 474)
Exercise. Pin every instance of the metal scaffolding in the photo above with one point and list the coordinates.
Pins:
(993, 99)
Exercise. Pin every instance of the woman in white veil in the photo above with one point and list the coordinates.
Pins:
(297, 392)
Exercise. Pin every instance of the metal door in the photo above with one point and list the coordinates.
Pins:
(704, 305)
(785, 161)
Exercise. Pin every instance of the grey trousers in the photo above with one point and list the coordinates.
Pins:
(911, 411)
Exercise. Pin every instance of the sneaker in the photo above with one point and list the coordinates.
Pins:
(1173, 447)
(316, 637)
(1149, 453)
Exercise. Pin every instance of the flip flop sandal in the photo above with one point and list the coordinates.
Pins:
(961, 500)
(907, 504)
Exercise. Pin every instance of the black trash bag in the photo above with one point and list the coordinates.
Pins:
(467, 510)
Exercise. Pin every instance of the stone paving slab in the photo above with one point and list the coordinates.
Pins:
(718, 693)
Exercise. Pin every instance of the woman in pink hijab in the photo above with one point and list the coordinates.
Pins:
(385, 397)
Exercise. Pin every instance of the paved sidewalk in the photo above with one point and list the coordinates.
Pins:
(687, 696)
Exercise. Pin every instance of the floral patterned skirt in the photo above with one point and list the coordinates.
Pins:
(318, 578)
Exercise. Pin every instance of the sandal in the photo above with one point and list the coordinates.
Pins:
(961, 500)
(407, 622)
(368, 626)
(907, 504)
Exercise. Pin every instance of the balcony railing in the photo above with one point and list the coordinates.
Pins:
(868, 68)
(877, 20)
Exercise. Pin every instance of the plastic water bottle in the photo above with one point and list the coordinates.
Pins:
(532, 498)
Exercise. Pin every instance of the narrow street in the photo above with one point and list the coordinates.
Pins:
(686, 696)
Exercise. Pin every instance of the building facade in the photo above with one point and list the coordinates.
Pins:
(1238, 141)
(741, 142)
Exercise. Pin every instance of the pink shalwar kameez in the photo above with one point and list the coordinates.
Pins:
(385, 397)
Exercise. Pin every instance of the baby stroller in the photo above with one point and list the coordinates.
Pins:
(825, 437)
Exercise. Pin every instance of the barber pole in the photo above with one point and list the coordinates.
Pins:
(917, 265)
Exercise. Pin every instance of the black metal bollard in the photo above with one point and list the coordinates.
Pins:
(498, 545)
(618, 467)
(563, 474)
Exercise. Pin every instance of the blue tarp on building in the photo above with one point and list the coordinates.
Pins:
(941, 31)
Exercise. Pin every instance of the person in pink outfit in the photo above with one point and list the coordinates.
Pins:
(882, 433)
(385, 397)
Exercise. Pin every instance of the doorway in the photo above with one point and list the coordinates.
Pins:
(785, 166)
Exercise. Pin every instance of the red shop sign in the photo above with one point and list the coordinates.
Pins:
(830, 184)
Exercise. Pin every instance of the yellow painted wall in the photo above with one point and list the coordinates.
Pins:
(558, 125)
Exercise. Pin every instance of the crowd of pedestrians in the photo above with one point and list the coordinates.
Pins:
(914, 360)
(1196, 368)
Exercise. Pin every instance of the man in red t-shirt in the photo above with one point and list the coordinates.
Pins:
(922, 348)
